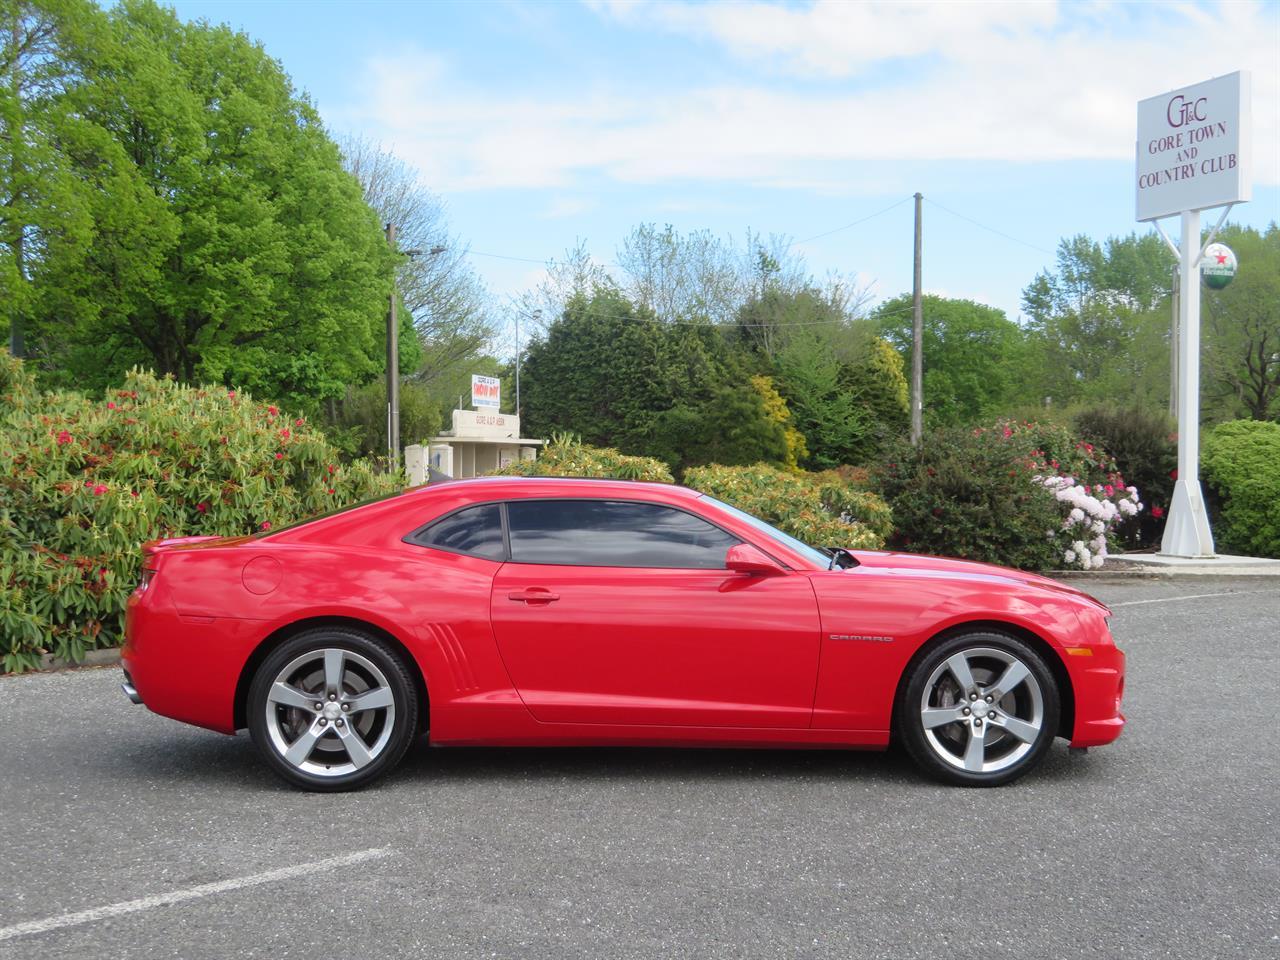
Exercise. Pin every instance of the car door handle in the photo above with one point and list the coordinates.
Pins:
(533, 595)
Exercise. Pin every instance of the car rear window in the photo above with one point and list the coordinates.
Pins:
(475, 530)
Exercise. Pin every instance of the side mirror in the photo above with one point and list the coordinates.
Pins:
(744, 558)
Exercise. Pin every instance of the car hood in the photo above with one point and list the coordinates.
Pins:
(944, 568)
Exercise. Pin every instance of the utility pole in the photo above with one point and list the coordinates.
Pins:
(393, 365)
(917, 341)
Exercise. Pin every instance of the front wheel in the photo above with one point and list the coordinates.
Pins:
(979, 709)
(332, 709)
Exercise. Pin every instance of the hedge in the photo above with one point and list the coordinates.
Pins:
(84, 482)
(1241, 463)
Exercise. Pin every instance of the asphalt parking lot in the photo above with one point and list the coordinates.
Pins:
(1165, 844)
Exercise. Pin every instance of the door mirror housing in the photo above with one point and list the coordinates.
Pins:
(744, 558)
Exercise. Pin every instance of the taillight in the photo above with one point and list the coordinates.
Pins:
(148, 574)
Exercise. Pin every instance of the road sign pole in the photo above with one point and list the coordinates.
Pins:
(1186, 534)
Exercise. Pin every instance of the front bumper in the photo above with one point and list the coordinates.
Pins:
(1098, 680)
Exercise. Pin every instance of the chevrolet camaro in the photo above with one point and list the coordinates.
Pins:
(523, 611)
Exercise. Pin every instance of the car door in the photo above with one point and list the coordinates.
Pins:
(622, 612)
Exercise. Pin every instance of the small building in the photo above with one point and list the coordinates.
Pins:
(480, 442)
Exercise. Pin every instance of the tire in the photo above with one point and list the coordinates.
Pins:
(366, 718)
(979, 709)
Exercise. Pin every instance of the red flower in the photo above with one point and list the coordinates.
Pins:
(202, 507)
(1110, 490)
(266, 524)
(110, 405)
(279, 456)
(1007, 433)
(1173, 474)
(133, 493)
(64, 437)
(231, 394)
(272, 410)
(298, 422)
(331, 490)
(224, 441)
(99, 490)
(285, 434)
(333, 469)
(1157, 512)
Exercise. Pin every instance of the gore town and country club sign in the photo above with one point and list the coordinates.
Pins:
(1193, 147)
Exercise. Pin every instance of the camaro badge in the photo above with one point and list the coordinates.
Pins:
(858, 636)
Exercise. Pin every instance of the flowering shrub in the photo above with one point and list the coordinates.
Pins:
(1091, 517)
(566, 456)
(83, 482)
(1241, 462)
(1145, 446)
(999, 494)
(819, 509)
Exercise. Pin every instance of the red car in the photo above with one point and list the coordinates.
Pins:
(514, 611)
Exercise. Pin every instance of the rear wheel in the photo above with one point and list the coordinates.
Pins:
(980, 709)
(332, 709)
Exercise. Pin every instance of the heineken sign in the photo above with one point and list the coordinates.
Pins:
(1218, 266)
(1193, 147)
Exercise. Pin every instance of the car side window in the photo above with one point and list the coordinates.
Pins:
(476, 531)
(613, 533)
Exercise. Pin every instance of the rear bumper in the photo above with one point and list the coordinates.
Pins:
(1098, 680)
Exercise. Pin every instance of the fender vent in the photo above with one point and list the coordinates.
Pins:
(455, 655)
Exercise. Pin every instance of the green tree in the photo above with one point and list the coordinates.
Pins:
(1100, 320)
(836, 428)
(975, 358)
(228, 244)
(616, 376)
(1242, 330)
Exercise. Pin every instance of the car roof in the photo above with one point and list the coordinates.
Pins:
(577, 486)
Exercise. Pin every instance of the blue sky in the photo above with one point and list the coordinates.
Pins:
(540, 124)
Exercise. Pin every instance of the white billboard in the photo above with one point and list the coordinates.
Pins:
(486, 391)
(1194, 147)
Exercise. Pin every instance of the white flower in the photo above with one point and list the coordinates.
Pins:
(1098, 561)
(1076, 515)
(1070, 556)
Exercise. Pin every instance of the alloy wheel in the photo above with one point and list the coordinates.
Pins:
(982, 710)
(330, 712)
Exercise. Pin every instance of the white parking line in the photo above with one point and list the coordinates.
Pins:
(30, 927)
(1193, 596)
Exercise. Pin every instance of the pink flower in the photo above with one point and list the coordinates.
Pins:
(110, 405)
(99, 490)
(279, 456)
(1007, 433)
(231, 394)
(64, 437)
(1157, 512)
(285, 434)
(272, 410)
(1110, 490)
(202, 507)
(298, 422)
(266, 524)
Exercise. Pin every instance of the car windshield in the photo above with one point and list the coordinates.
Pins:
(821, 558)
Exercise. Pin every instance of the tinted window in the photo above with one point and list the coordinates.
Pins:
(475, 530)
(612, 533)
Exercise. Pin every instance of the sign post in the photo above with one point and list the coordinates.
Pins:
(1192, 155)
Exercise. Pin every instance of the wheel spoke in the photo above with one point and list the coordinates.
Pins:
(1026, 732)
(333, 664)
(288, 696)
(356, 749)
(301, 748)
(975, 753)
(941, 716)
(371, 699)
(1013, 675)
(958, 664)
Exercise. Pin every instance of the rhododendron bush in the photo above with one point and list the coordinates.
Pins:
(85, 481)
(1026, 495)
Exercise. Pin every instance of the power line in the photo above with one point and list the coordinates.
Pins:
(855, 223)
(999, 233)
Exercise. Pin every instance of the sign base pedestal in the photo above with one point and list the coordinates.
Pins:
(1186, 534)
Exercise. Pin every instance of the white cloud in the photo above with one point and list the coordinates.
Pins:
(950, 81)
